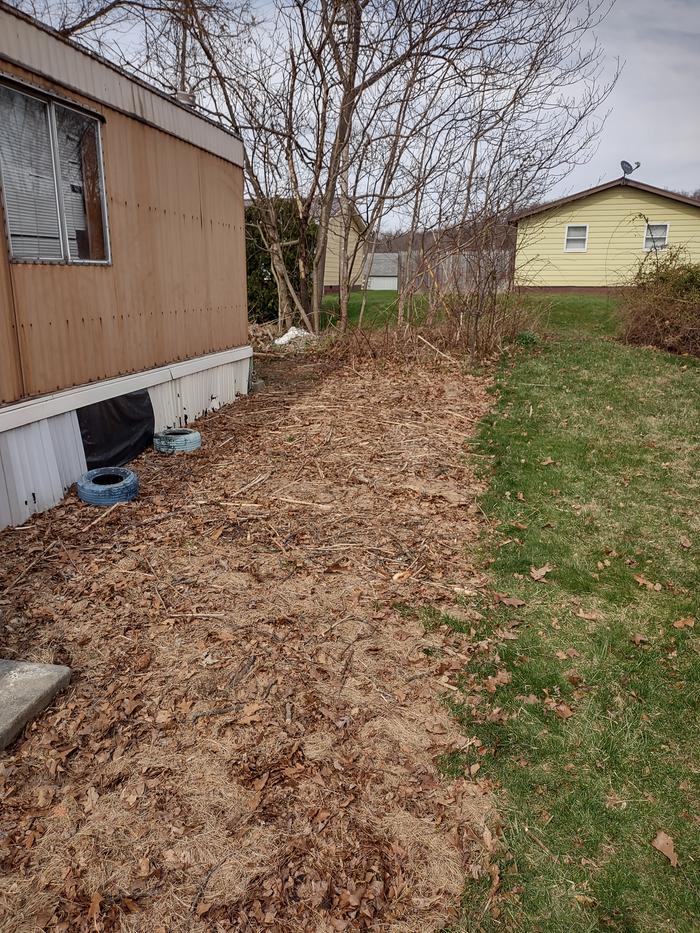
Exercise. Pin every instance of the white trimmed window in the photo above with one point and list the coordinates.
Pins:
(576, 238)
(51, 180)
(655, 237)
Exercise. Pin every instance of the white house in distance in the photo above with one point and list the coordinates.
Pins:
(384, 272)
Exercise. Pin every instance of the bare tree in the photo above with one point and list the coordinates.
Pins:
(437, 113)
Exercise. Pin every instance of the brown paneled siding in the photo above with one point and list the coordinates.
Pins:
(176, 285)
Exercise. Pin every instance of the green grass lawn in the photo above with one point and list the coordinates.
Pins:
(575, 315)
(593, 732)
(380, 308)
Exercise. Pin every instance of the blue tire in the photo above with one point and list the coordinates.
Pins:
(177, 440)
(107, 486)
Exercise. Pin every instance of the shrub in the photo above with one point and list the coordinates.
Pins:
(661, 305)
(263, 303)
(481, 324)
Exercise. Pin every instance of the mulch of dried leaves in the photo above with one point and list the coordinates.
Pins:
(250, 740)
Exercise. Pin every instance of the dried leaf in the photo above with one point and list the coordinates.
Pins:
(45, 795)
(663, 843)
(589, 615)
(563, 711)
(539, 573)
(307, 725)
(688, 622)
(639, 639)
(685, 541)
(514, 602)
(260, 782)
(95, 904)
(91, 798)
(642, 581)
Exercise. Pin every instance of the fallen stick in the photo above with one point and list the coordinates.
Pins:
(446, 355)
(242, 672)
(29, 567)
(197, 615)
(203, 886)
(315, 505)
(101, 517)
(255, 482)
(221, 711)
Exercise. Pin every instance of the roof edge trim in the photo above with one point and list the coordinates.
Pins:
(40, 50)
(615, 183)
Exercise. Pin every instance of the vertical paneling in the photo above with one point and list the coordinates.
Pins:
(5, 510)
(10, 373)
(38, 462)
(178, 403)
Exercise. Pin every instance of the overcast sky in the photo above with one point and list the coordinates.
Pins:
(655, 116)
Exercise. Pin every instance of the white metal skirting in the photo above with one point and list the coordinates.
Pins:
(41, 460)
(38, 463)
(177, 403)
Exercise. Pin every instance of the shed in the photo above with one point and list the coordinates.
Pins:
(596, 238)
(122, 268)
(383, 272)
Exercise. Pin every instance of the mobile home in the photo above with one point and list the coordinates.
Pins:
(122, 265)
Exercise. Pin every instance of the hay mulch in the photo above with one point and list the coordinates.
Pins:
(252, 736)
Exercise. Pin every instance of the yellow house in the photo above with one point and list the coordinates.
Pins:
(356, 250)
(595, 238)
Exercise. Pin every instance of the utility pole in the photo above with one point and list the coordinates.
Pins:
(183, 93)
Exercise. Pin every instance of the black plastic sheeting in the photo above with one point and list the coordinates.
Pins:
(116, 430)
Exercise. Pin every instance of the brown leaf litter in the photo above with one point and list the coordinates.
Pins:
(251, 737)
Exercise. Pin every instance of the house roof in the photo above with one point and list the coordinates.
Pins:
(385, 264)
(616, 183)
(44, 52)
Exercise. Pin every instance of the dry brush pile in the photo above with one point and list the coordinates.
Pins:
(661, 306)
(251, 737)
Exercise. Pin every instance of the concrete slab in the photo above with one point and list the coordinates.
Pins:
(25, 690)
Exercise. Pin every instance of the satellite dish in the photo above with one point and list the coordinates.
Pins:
(627, 168)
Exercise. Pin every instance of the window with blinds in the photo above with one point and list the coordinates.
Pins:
(50, 174)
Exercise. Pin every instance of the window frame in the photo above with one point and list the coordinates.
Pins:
(566, 239)
(655, 223)
(51, 101)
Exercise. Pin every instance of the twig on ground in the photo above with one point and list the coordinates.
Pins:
(256, 482)
(29, 567)
(445, 355)
(102, 517)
